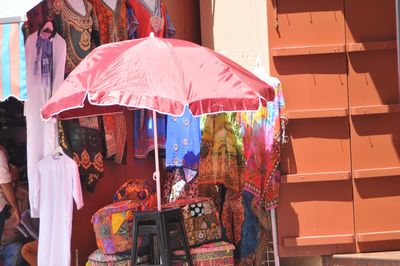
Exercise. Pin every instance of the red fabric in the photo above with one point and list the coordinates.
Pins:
(162, 75)
(144, 16)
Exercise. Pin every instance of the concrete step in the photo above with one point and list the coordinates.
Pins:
(390, 258)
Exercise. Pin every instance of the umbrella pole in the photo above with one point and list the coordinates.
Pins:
(156, 174)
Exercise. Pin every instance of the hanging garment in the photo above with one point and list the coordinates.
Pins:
(146, 16)
(112, 21)
(59, 185)
(112, 28)
(79, 31)
(45, 62)
(183, 143)
(143, 132)
(232, 216)
(255, 235)
(115, 136)
(81, 140)
(221, 159)
(262, 138)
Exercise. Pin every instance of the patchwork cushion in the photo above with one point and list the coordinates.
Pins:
(97, 258)
(213, 254)
(201, 220)
(113, 226)
(136, 190)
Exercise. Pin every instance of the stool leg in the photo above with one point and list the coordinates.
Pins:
(156, 246)
(165, 256)
(135, 241)
(185, 241)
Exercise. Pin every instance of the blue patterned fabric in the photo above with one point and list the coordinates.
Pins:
(183, 141)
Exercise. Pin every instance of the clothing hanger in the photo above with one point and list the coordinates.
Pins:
(57, 152)
(47, 30)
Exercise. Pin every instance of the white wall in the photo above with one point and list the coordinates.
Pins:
(236, 25)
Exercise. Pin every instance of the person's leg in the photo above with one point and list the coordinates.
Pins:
(12, 254)
(29, 252)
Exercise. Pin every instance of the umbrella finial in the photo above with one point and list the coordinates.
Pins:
(151, 35)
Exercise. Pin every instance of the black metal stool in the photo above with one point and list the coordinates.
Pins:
(159, 224)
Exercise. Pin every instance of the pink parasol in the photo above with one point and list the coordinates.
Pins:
(163, 75)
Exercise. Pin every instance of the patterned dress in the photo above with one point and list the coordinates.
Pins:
(112, 22)
(80, 139)
(262, 138)
(113, 28)
(142, 20)
(79, 31)
(221, 159)
(83, 143)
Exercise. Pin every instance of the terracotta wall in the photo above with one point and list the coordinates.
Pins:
(185, 16)
(337, 63)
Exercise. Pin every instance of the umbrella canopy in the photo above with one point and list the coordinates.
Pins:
(163, 75)
(157, 74)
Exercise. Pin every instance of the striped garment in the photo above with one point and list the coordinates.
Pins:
(12, 62)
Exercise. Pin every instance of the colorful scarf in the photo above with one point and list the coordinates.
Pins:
(262, 140)
(44, 47)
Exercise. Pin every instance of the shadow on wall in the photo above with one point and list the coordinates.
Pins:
(207, 9)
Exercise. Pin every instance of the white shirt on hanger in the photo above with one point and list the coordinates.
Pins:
(42, 136)
(59, 185)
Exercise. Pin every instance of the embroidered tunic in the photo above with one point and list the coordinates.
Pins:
(112, 22)
(81, 140)
(143, 20)
(80, 32)
(113, 28)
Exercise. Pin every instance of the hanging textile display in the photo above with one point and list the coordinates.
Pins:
(59, 186)
(80, 31)
(183, 143)
(112, 20)
(45, 54)
(146, 16)
(80, 139)
(143, 132)
(256, 234)
(221, 159)
(262, 137)
(112, 28)
(83, 143)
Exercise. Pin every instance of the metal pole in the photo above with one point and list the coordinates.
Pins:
(275, 237)
(398, 43)
(156, 175)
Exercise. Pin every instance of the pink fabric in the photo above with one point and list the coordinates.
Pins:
(158, 74)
